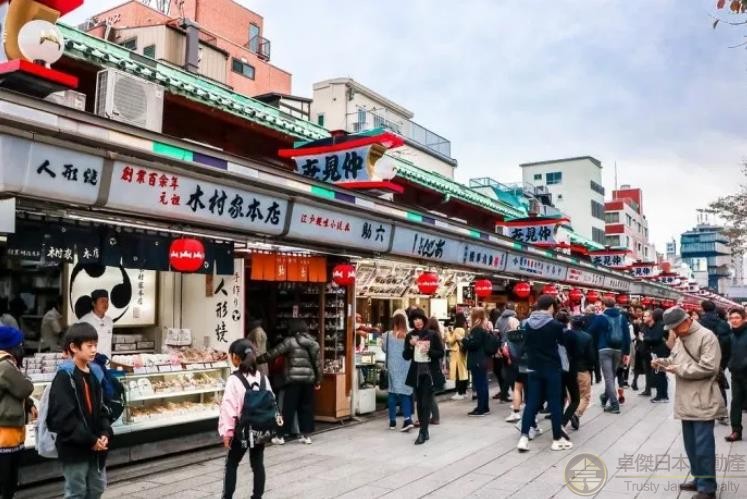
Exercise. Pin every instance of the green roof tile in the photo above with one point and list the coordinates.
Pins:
(82, 46)
(449, 187)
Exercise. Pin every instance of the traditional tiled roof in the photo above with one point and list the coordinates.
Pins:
(577, 238)
(82, 46)
(449, 187)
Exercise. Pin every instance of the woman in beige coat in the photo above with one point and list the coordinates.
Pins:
(457, 357)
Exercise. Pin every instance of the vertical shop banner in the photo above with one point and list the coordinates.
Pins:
(617, 283)
(483, 257)
(179, 197)
(311, 223)
(47, 171)
(585, 278)
(424, 245)
(132, 293)
(524, 265)
(217, 319)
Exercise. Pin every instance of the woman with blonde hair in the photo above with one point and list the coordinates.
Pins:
(393, 344)
(458, 357)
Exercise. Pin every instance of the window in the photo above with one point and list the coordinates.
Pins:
(597, 235)
(612, 217)
(150, 51)
(628, 220)
(538, 176)
(320, 119)
(554, 178)
(254, 38)
(597, 210)
(613, 241)
(242, 68)
(597, 188)
(130, 44)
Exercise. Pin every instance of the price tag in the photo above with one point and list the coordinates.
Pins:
(140, 370)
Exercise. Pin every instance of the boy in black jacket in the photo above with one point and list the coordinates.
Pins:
(78, 416)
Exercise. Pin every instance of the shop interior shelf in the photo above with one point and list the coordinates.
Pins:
(183, 371)
(165, 421)
(166, 395)
(128, 352)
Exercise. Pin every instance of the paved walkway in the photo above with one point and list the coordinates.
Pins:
(468, 457)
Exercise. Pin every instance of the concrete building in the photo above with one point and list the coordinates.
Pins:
(345, 104)
(232, 47)
(626, 224)
(577, 191)
(706, 250)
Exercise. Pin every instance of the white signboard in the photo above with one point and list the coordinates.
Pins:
(311, 223)
(179, 197)
(534, 233)
(616, 284)
(424, 245)
(349, 165)
(585, 278)
(132, 293)
(483, 257)
(524, 265)
(47, 171)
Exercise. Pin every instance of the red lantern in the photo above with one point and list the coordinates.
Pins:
(428, 283)
(550, 289)
(522, 290)
(576, 295)
(646, 301)
(483, 288)
(592, 296)
(623, 299)
(186, 254)
(343, 274)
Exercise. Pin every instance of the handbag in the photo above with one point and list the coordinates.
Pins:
(384, 371)
(721, 380)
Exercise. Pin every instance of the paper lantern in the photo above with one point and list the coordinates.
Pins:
(186, 254)
(623, 299)
(522, 290)
(576, 295)
(483, 288)
(428, 283)
(343, 274)
(550, 289)
(41, 41)
(646, 301)
(592, 296)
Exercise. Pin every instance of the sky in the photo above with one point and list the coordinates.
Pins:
(648, 86)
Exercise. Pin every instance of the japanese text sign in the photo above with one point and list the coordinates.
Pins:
(420, 244)
(616, 283)
(351, 165)
(519, 264)
(533, 233)
(312, 223)
(476, 255)
(179, 197)
(585, 278)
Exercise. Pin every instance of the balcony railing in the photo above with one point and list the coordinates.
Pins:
(260, 46)
(363, 120)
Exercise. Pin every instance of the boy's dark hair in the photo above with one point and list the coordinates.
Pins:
(563, 316)
(78, 334)
(609, 303)
(247, 352)
(658, 314)
(578, 322)
(738, 310)
(708, 306)
(544, 302)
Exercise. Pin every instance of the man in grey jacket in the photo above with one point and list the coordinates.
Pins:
(695, 361)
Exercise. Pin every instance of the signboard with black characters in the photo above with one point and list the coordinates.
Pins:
(313, 223)
(484, 257)
(524, 265)
(180, 197)
(425, 245)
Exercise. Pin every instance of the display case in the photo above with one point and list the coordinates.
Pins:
(335, 332)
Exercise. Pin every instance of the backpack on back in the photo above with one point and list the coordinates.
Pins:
(258, 422)
(45, 439)
(616, 336)
(492, 343)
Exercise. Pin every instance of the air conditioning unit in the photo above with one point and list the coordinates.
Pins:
(128, 99)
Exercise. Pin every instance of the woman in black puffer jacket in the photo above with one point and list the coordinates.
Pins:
(303, 375)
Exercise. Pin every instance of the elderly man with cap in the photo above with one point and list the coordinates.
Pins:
(695, 361)
(100, 321)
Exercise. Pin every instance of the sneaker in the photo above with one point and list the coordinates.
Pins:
(477, 413)
(575, 422)
(407, 426)
(457, 397)
(513, 417)
(656, 400)
(523, 444)
(392, 425)
(305, 440)
(534, 432)
(612, 409)
(644, 394)
(561, 444)
(278, 441)
(603, 400)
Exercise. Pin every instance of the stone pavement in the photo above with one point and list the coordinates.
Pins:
(467, 457)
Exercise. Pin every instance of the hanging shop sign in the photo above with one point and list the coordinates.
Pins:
(186, 254)
(550, 289)
(477, 255)
(424, 245)
(428, 283)
(524, 265)
(311, 223)
(132, 293)
(343, 274)
(522, 290)
(47, 171)
(576, 295)
(592, 296)
(536, 231)
(623, 299)
(614, 259)
(617, 284)
(585, 278)
(179, 197)
(642, 270)
(341, 159)
(483, 288)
